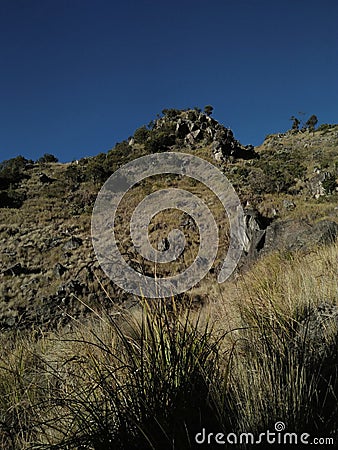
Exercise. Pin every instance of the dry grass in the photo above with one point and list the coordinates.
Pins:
(154, 376)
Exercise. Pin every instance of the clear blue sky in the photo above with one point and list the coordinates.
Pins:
(77, 76)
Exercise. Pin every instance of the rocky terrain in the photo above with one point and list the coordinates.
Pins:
(48, 270)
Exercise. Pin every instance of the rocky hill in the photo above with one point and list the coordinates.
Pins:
(48, 270)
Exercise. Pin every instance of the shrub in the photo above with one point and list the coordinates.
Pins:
(325, 127)
(133, 383)
(208, 109)
(141, 135)
(171, 113)
(47, 158)
(12, 171)
(74, 174)
(330, 183)
(159, 142)
(279, 172)
(11, 199)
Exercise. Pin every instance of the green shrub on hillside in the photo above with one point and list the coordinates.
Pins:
(47, 158)
(276, 173)
(12, 171)
(330, 183)
(159, 141)
(11, 198)
(74, 174)
(141, 135)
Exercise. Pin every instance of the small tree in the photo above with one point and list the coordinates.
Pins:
(208, 109)
(311, 123)
(295, 123)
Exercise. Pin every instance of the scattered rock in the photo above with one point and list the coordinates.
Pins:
(289, 205)
(315, 184)
(52, 243)
(59, 270)
(73, 243)
(163, 245)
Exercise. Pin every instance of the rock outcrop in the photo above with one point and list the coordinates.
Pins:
(264, 236)
(194, 128)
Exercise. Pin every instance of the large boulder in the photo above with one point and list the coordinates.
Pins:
(262, 236)
(294, 235)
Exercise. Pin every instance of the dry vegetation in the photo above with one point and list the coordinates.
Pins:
(154, 376)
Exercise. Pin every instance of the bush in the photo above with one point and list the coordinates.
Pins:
(325, 127)
(74, 174)
(279, 173)
(330, 184)
(11, 199)
(47, 158)
(12, 171)
(141, 135)
(171, 113)
(122, 147)
(208, 109)
(159, 142)
(130, 383)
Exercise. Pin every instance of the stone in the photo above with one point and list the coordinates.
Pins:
(163, 245)
(315, 184)
(218, 156)
(59, 270)
(254, 233)
(292, 235)
(289, 205)
(73, 243)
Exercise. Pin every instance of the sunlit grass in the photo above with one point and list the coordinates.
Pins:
(154, 376)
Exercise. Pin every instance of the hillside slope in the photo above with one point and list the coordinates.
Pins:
(48, 268)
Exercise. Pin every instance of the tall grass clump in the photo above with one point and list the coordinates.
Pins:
(285, 367)
(147, 380)
(21, 389)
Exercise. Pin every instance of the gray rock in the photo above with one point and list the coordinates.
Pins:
(254, 235)
(73, 243)
(289, 205)
(315, 184)
(294, 235)
(163, 245)
(59, 270)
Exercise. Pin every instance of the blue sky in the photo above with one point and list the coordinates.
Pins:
(78, 76)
